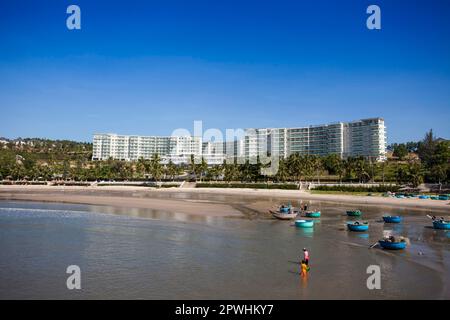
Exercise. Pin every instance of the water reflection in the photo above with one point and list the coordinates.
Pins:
(154, 214)
(398, 228)
(305, 232)
(142, 253)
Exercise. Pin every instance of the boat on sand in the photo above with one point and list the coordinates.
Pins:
(285, 212)
(284, 216)
(358, 226)
(441, 224)
(312, 214)
(393, 243)
(354, 213)
(392, 219)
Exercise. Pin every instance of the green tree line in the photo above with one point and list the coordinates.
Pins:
(48, 160)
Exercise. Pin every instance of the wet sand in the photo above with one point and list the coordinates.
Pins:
(202, 201)
(128, 199)
(121, 235)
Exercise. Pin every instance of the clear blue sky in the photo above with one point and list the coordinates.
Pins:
(148, 67)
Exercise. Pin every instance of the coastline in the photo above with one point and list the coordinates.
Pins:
(426, 260)
(162, 199)
(89, 196)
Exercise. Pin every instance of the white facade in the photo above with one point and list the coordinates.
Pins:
(177, 149)
(365, 138)
(131, 148)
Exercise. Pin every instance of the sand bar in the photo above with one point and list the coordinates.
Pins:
(87, 195)
(161, 199)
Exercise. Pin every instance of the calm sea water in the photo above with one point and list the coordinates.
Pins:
(146, 254)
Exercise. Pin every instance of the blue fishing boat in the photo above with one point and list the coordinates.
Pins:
(392, 219)
(304, 223)
(354, 213)
(312, 214)
(443, 225)
(358, 226)
(391, 245)
(424, 196)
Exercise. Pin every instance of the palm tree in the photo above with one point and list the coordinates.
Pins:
(142, 167)
(201, 168)
(125, 170)
(415, 174)
(361, 170)
(173, 170)
(334, 164)
(214, 172)
(383, 170)
(283, 172)
(246, 172)
(231, 172)
(193, 167)
(156, 169)
(308, 166)
(349, 167)
(295, 166)
(339, 169)
(317, 166)
(439, 174)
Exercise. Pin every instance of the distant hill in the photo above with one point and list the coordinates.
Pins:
(39, 143)
(44, 149)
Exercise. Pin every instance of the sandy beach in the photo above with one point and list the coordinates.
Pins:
(173, 236)
(171, 199)
(126, 199)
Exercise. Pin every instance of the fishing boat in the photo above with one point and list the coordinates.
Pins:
(312, 214)
(392, 219)
(358, 226)
(392, 245)
(304, 223)
(354, 213)
(443, 225)
(284, 215)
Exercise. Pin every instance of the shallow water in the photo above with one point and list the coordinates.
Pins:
(148, 254)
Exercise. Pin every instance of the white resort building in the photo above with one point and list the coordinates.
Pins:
(365, 138)
(131, 148)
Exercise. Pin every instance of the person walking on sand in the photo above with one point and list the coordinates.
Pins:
(306, 256)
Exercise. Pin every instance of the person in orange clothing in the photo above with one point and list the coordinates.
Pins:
(304, 268)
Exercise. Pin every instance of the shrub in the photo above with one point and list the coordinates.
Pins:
(380, 188)
(248, 185)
